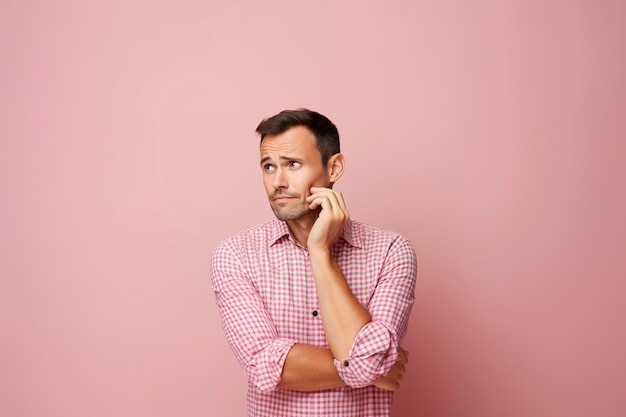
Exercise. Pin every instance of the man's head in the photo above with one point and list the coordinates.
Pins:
(325, 132)
(299, 150)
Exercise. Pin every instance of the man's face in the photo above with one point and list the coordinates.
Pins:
(291, 165)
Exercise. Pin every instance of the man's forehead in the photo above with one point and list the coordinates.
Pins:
(291, 142)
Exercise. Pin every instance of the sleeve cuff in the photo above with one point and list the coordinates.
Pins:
(266, 370)
(373, 353)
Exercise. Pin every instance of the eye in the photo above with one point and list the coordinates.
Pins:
(295, 164)
(268, 168)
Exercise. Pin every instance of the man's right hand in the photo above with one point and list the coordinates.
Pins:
(391, 380)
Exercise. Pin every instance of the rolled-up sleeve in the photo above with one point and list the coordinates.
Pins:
(248, 326)
(375, 348)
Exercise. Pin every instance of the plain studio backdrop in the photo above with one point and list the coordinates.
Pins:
(490, 133)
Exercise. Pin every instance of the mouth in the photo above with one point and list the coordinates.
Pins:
(282, 198)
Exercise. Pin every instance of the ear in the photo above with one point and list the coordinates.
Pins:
(335, 167)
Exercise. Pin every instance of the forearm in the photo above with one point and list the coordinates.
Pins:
(342, 314)
(309, 368)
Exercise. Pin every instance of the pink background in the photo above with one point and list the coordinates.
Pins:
(491, 133)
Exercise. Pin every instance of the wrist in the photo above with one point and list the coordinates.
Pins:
(320, 252)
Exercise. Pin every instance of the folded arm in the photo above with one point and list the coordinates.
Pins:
(272, 362)
(312, 368)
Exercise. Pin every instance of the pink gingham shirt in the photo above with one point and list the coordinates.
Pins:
(266, 295)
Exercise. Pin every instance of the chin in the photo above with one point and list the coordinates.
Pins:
(288, 215)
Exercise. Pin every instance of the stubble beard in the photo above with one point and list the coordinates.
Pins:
(288, 214)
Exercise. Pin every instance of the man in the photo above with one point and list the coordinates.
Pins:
(313, 304)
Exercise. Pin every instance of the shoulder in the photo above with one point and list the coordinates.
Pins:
(372, 235)
(239, 254)
(394, 250)
(382, 243)
(250, 239)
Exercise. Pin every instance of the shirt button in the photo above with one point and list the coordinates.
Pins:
(345, 363)
(314, 313)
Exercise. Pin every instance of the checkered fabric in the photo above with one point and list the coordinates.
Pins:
(267, 299)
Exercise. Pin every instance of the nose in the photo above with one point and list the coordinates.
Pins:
(279, 181)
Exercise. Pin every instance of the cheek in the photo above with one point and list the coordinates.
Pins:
(304, 183)
(317, 181)
(320, 181)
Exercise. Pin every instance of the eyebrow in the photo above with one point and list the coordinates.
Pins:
(282, 158)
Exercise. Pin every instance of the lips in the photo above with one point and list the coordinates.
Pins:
(282, 198)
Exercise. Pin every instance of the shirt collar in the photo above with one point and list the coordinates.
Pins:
(350, 234)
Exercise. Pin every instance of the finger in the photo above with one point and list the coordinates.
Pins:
(316, 202)
(341, 201)
(324, 193)
(322, 190)
(328, 201)
(333, 198)
(325, 203)
(405, 354)
(342, 206)
(400, 367)
(319, 191)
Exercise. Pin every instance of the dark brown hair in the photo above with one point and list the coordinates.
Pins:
(325, 132)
